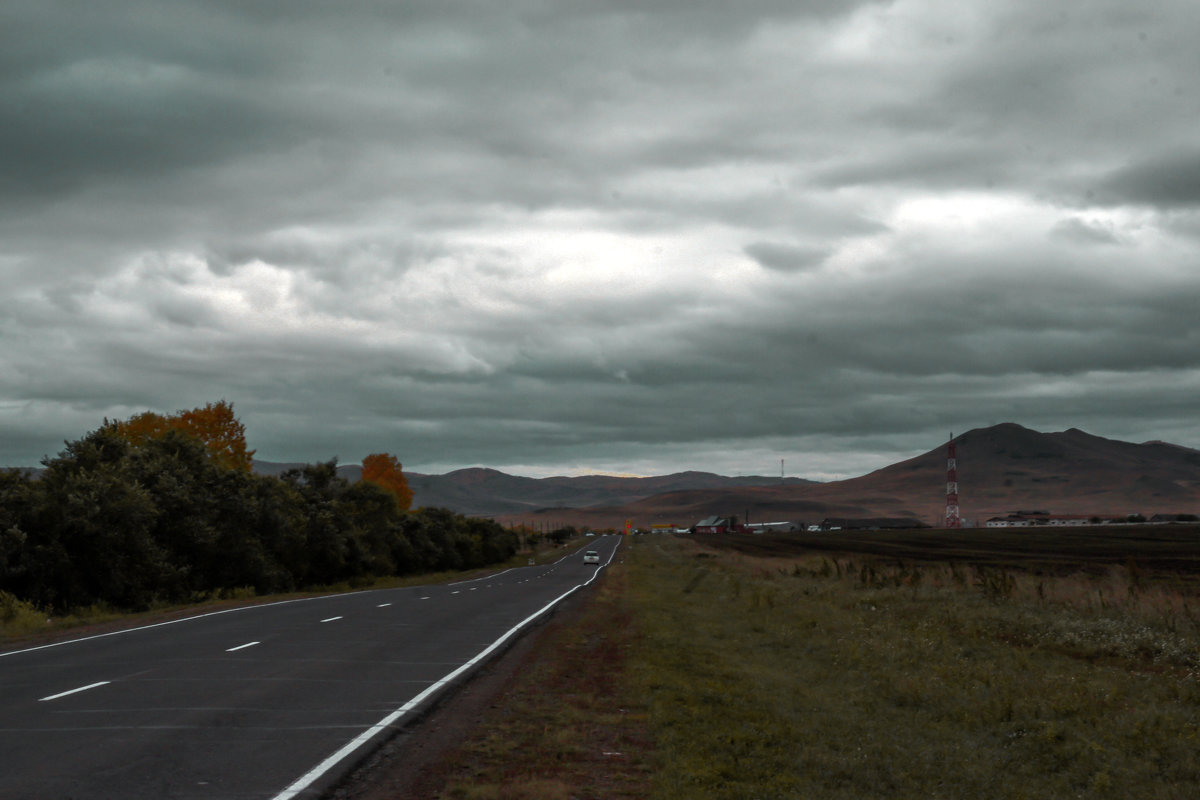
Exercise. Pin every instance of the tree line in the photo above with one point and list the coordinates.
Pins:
(148, 512)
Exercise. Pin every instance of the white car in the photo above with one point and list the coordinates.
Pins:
(591, 557)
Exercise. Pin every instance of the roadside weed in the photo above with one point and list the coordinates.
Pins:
(833, 679)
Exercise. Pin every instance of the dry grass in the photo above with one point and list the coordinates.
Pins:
(694, 672)
(570, 727)
(830, 677)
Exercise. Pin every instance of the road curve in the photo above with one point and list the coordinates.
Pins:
(266, 702)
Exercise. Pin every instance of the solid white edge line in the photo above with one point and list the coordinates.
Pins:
(73, 691)
(242, 647)
(329, 763)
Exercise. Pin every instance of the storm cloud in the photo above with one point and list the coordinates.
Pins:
(632, 237)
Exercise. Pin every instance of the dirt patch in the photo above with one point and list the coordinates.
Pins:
(412, 764)
(550, 718)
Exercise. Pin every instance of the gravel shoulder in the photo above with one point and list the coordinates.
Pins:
(554, 717)
(413, 764)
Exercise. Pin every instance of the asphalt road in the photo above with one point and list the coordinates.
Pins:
(266, 702)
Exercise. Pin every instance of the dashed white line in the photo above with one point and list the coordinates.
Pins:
(175, 622)
(331, 619)
(242, 647)
(426, 597)
(316, 772)
(73, 691)
(383, 605)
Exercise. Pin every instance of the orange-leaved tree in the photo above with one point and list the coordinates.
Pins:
(214, 425)
(384, 470)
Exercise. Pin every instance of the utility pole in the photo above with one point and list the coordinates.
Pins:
(952, 518)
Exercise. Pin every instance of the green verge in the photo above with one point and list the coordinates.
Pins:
(826, 678)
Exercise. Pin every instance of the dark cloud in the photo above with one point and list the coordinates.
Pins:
(786, 257)
(1075, 229)
(933, 165)
(1168, 180)
(629, 236)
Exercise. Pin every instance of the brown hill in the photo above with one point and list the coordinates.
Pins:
(489, 492)
(1000, 469)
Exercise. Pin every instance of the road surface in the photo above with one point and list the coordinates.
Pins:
(266, 702)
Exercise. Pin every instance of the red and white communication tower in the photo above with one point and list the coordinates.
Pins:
(952, 518)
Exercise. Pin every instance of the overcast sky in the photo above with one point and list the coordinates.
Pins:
(627, 236)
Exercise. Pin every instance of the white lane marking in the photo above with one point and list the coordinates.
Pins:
(455, 592)
(383, 605)
(242, 647)
(331, 619)
(177, 621)
(483, 577)
(73, 691)
(316, 772)
(426, 597)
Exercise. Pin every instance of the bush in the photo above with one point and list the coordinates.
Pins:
(159, 520)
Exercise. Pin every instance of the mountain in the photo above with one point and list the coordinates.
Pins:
(1001, 469)
(489, 492)
(351, 472)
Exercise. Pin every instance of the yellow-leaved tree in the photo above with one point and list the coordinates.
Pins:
(384, 470)
(214, 425)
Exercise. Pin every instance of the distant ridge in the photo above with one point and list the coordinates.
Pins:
(491, 492)
(482, 491)
(1001, 468)
(351, 472)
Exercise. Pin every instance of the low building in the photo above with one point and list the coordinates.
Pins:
(870, 523)
(1172, 519)
(774, 527)
(1029, 519)
(713, 525)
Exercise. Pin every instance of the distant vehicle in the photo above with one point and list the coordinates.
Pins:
(591, 557)
(589, 533)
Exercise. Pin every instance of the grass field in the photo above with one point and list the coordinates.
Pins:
(761, 669)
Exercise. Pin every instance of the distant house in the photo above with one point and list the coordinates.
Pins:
(1167, 519)
(1068, 519)
(774, 527)
(713, 525)
(870, 523)
(1019, 519)
(1027, 519)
